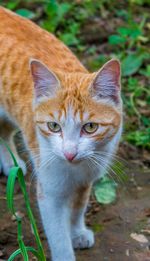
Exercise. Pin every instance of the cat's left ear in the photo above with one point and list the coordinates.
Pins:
(45, 81)
(106, 84)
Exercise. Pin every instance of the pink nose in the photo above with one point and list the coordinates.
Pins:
(70, 156)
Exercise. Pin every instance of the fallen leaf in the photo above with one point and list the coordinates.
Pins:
(139, 237)
(105, 191)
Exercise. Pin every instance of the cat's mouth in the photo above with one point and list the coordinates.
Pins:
(75, 161)
(73, 158)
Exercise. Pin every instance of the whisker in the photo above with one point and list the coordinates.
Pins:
(44, 164)
(109, 168)
(97, 165)
(104, 153)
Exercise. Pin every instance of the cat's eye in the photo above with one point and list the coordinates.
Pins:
(54, 127)
(90, 127)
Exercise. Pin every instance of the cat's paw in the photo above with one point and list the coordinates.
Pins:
(85, 239)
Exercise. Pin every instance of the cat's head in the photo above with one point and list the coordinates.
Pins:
(77, 114)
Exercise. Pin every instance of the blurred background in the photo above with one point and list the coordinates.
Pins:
(97, 31)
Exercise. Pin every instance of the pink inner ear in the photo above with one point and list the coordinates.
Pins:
(107, 81)
(45, 82)
(112, 69)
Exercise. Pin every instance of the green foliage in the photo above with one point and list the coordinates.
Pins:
(25, 13)
(146, 71)
(140, 138)
(131, 64)
(126, 35)
(55, 14)
(136, 100)
(69, 37)
(130, 45)
(105, 190)
(96, 63)
(11, 4)
(14, 175)
(129, 39)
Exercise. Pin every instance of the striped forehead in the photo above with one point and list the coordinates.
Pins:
(71, 115)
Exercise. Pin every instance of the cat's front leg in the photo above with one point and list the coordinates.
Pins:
(82, 237)
(56, 221)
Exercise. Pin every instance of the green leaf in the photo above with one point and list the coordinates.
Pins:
(25, 13)
(105, 190)
(12, 4)
(69, 39)
(135, 32)
(123, 31)
(140, 138)
(116, 39)
(146, 71)
(56, 14)
(22, 246)
(131, 64)
(146, 121)
(10, 188)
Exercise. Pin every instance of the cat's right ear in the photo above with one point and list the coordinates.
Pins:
(46, 82)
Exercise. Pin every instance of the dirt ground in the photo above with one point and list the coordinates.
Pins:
(117, 226)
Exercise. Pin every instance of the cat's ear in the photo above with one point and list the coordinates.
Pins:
(106, 83)
(46, 82)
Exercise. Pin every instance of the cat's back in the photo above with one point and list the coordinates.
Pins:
(24, 38)
(22, 30)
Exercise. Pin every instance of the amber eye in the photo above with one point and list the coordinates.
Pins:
(54, 127)
(90, 127)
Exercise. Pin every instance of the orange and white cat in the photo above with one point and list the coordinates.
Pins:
(71, 121)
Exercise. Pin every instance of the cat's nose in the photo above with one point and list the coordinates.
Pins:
(70, 156)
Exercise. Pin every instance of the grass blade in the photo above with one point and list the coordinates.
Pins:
(17, 173)
(18, 252)
(30, 214)
(10, 189)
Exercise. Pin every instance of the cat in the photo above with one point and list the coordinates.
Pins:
(71, 121)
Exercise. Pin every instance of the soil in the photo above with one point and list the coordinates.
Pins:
(114, 224)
